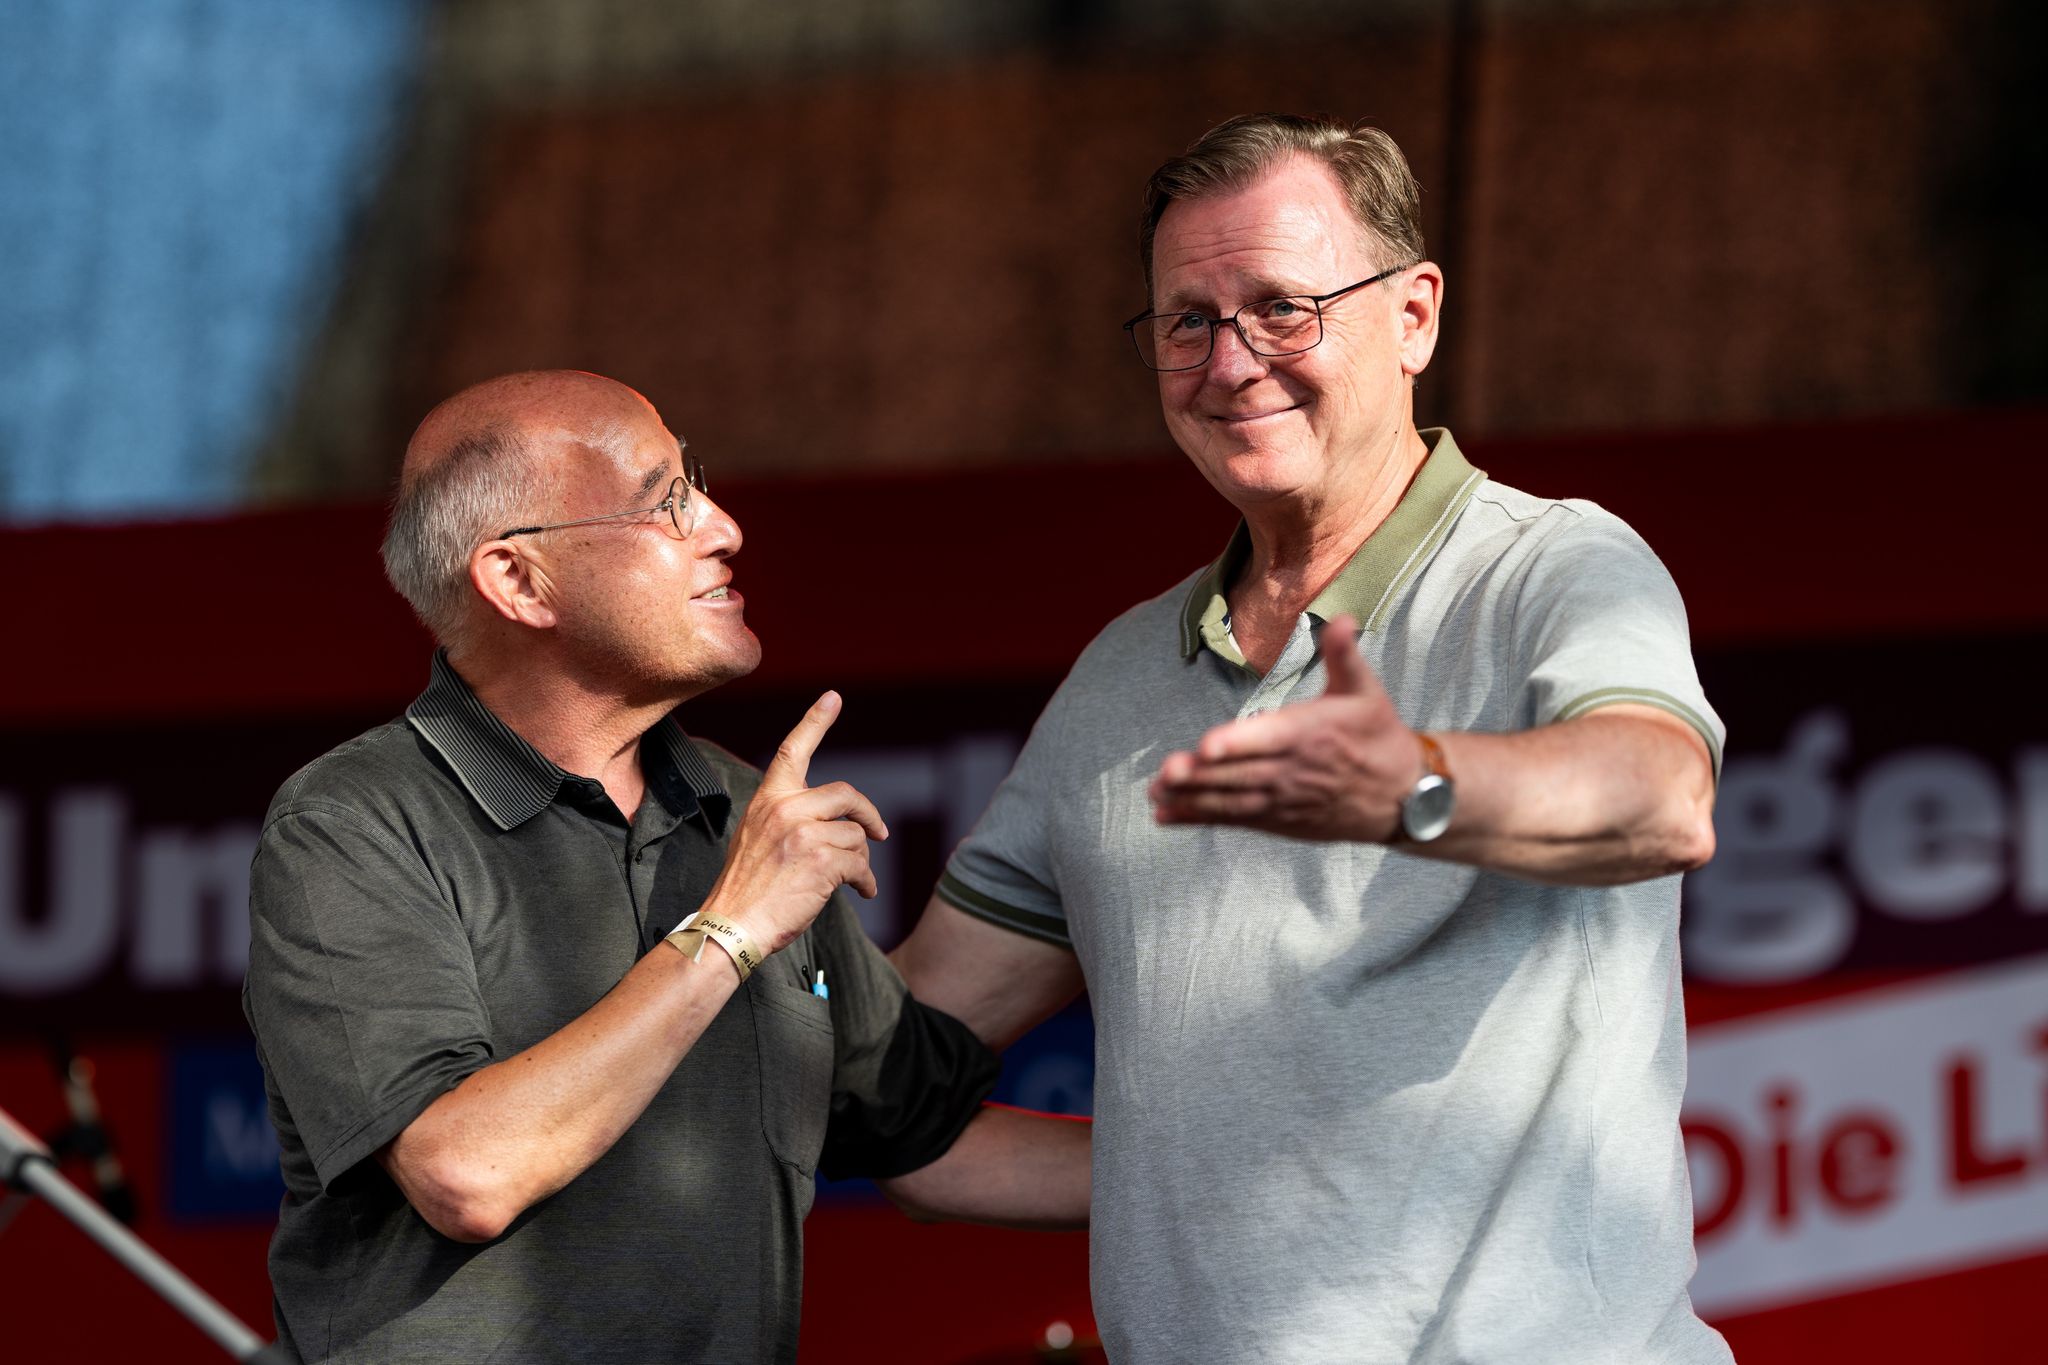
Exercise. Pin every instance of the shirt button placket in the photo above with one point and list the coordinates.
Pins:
(1295, 658)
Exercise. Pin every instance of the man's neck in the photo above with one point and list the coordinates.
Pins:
(1299, 545)
(580, 726)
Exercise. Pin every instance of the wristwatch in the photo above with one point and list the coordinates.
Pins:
(1426, 809)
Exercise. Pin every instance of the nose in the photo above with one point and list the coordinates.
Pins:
(716, 535)
(1231, 361)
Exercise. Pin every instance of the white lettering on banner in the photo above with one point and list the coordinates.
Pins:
(952, 782)
(1922, 834)
(1894, 1134)
(73, 942)
(177, 898)
(2033, 775)
(177, 875)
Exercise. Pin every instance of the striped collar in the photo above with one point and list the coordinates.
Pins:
(1366, 586)
(513, 781)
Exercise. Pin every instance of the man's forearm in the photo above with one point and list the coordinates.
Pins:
(515, 1132)
(1617, 796)
(1010, 1167)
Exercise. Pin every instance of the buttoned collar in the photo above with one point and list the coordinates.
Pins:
(1367, 585)
(513, 781)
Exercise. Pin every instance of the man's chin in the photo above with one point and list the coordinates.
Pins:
(734, 660)
(709, 668)
(1256, 473)
(748, 655)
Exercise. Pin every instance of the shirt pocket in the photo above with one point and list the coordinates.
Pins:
(793, 1030)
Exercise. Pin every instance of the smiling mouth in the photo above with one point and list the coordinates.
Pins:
(1237, 418)
(717, 594)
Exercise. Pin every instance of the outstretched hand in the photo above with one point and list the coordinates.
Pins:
(797, 844)
(1333, 768)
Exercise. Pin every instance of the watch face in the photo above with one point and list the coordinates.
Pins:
(1427, 811)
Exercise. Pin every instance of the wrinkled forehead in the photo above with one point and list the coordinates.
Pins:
(1289, 231)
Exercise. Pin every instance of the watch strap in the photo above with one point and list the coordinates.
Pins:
(1433, 756)
(1414, 822)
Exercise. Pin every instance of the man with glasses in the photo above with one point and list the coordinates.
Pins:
(1404, 1083)
(559, 1008)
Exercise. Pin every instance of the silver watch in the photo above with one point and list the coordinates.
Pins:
(1427, 808)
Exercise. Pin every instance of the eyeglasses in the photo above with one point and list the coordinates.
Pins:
(1287, 325)
(683, 510)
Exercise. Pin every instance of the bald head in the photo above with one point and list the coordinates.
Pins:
(543, 407)
(506, 452)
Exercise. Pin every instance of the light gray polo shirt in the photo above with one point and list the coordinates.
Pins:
(1354, 1105)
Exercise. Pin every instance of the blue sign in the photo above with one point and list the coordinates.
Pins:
(1052, 1068)
(223, 1157)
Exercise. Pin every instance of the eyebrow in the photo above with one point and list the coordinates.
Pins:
(1260, 291)
(652, 481)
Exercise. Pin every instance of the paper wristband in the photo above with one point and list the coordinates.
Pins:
(688, 937)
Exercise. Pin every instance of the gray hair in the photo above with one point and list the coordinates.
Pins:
(486, 482)
(1368, 165)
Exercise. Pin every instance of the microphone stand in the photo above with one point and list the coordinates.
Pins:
(87, 1136)
(25, 1164)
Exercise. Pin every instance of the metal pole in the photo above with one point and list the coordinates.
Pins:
(25, 1162)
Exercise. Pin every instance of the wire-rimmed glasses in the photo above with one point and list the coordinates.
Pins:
(683, 510)
(1287, 325)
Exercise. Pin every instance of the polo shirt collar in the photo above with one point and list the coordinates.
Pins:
(513, 781)
(1366, 585)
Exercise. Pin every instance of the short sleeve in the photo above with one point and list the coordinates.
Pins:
(906, 1078)
(1598, 621)
(1003, 872)
(362, 990)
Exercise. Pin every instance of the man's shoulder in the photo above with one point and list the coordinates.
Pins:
(1501, 518)
(359, 775)
(1146, 631)
(1497, 503)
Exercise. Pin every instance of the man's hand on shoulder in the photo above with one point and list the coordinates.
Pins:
(797, 844)
(1333, 768)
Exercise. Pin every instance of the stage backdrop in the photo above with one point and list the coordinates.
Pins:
(1867, 956)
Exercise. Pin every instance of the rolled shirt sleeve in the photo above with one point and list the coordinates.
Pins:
(362, 989)
(1598, 621)
(1003, 871)
(906, 1078)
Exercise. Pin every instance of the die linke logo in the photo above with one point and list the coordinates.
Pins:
(1887, 1136)
(1811, 854)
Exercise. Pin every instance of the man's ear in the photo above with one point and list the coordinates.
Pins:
(513, 583)
(1422, 299)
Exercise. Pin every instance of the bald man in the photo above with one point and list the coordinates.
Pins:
(559, 1008)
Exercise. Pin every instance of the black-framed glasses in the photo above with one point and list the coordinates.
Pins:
(683, 510)
(1287, 325)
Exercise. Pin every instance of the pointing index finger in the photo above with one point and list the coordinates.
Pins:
(792, 762)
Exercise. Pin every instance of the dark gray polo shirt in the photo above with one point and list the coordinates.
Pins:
(435, 896)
